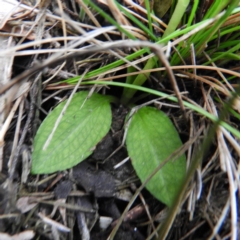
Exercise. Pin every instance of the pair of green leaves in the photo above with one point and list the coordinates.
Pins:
(151, 138)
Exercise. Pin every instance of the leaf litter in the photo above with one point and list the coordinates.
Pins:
(209, 197)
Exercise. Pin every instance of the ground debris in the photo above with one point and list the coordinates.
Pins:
(93, 180)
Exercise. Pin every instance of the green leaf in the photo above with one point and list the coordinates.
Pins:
(160, 7)
(151, 138)
(85, 122)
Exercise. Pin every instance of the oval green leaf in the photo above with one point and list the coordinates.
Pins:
(151, 138)
(85, 122)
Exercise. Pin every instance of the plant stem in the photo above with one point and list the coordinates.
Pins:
(217, 25)
(139, 81)
(176, 17)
